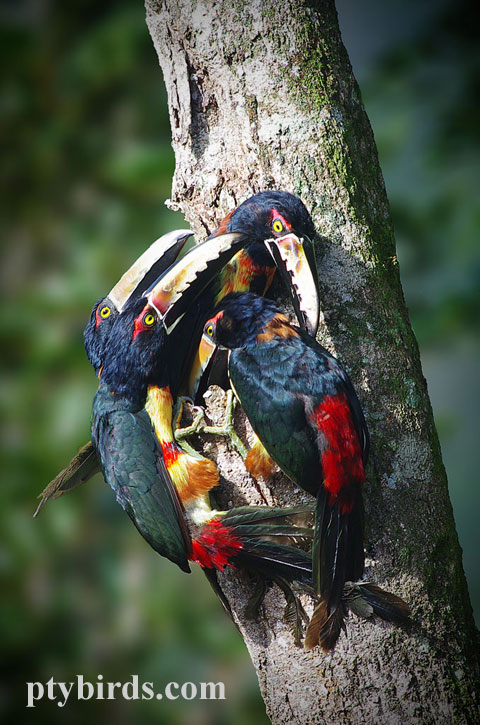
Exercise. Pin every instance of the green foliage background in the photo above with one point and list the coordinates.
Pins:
(86, 167)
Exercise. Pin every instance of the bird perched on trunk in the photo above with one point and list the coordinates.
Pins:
(282, 221)
(156, 259)
(176, 518)
(133, 361)
(265, 217)
(304, 409)
(272, 215)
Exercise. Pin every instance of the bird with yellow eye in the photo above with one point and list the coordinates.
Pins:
(153, 262)
(262, 216)
(129, 426)
(303, 407)
(282, 218)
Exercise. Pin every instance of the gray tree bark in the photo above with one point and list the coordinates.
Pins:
(261, 95)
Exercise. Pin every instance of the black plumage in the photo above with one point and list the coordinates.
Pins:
(304, 409)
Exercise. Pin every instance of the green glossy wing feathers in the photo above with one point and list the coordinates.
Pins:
(262, 379)
(134, 468)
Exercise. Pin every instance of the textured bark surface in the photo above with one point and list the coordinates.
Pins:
(261, 95)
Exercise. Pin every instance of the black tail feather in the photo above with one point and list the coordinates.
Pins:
(269, 531)
(275, 560)
(366, 598)
(356, 553)
(294, 615)
(211, 575)
(254, 603)
(266, 535)
(257, 514)
(337, 551)
(325, 626)
(80, 469)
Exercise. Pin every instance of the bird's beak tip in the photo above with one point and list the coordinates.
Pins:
(296, 269)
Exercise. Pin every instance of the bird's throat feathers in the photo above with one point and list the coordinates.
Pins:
(244, 274)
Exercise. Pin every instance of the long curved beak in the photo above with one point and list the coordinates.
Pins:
(179, 286)
(154, 261)
(203, 355)
(295, 260)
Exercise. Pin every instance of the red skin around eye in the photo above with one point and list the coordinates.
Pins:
(139, 324)
(213, 321)
(276, 215)
(99, 319)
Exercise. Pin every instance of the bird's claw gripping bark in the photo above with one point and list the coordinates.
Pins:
(181, 434)
(227, 429)
(196, 426)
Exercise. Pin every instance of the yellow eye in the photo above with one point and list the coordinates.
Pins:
(149, 319)
(277, 226)
(105, 312)
(209, 330)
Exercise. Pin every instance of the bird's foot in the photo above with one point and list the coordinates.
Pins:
(181, 434)
(198, 426)
(227, 428)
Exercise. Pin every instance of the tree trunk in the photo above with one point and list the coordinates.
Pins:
(262, 95)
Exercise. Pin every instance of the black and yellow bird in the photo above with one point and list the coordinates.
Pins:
(279, 234)
(176, 519)
(271, 215)
(156, 259)
(304, 409)
(132, 361)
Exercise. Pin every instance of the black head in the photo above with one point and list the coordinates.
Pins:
(271, 214)
(239, 318)
(97, 331)
(135, 355)
(154, 261)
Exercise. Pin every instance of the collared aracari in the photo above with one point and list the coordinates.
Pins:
(267, 214)
(132, 362)
(156, 259)
(272, 215)
(304, 409)
(283, 219)
(136, 372)
(177, 520)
